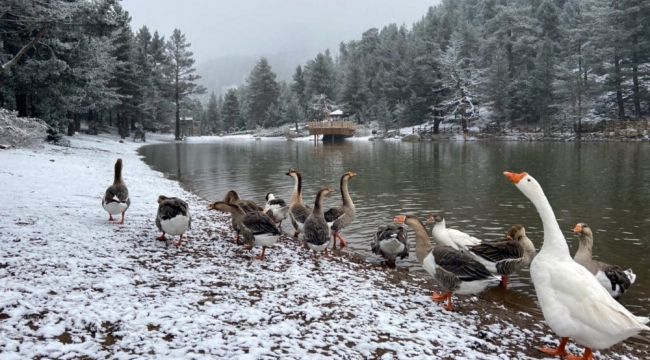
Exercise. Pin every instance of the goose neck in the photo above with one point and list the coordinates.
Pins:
(422, 242)
(554, 241)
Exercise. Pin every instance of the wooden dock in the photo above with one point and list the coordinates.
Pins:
(331, 130)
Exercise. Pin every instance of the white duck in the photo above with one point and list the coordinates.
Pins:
(450, 237)
(612, 277)
(573, 302)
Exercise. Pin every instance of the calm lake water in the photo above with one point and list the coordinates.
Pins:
(606, 185)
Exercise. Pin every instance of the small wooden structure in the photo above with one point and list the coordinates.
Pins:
(331, 130)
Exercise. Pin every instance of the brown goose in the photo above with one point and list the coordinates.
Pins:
(504, 257)
(173, 217)
(247, 205)
(339, 217)
(298, 211)
(390, 241)
(116, 198)
(316, 230)
(256, 228)
(611, 277)
(456, 271)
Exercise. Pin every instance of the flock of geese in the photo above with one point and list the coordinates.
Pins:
(577, 295)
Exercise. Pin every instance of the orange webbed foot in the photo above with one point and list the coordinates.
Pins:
(439, 297)
(588, 355)
(559, 351)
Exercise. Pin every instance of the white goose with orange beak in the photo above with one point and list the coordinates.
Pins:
(573, 302)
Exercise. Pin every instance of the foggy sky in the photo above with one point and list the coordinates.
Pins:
(219, 28)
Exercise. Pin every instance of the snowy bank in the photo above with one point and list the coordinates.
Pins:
(75, 286)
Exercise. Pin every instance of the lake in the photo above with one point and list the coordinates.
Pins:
(606, 185)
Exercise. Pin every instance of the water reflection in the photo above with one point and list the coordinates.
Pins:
(606, 185)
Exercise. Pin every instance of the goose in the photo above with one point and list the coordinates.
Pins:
(611, 277)
(316, 230)
(298, 211)
(390, 241)
(574, 303)
(341, 216)
(504, 257)
(456, 271)
(116, 198)
(451, 237)
(232, 197)
(173, 217)
(256, 228)
(276, 209)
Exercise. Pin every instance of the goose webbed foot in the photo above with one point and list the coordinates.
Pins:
(261, 256)
(342, 240)
(504, 281)
(162, 237)
(180, 241)
(110, 218)
(559, 351)
(588, 355)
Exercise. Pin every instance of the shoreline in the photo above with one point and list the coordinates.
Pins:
(77, 286)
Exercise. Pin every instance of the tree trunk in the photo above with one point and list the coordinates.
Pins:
(177, 133)
(619, 91)
(21, 104)
(77, 122)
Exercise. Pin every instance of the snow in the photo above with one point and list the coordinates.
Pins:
(74, 285)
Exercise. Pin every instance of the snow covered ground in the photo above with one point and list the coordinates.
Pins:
(73, 285)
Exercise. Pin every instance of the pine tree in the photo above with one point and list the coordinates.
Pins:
(182, 74)
(230, 114)
(263, 93)
(212, 114)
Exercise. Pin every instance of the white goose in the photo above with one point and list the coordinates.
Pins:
(573, 302)
(451, 237)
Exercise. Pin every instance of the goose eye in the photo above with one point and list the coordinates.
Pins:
(528, 180)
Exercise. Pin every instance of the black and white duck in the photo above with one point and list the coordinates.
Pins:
(173, 217)
(341, 216)
(116, 198)
(390, 241)
(276, 208)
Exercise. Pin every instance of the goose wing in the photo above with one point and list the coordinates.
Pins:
(459, 263)
(260, 223)
(334, 213)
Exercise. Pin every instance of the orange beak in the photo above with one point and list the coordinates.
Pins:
(399, 219)
(514, 177)
(577, 229)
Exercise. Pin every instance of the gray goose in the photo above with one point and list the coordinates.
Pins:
(456, 271)
(298, 211)
(504, 257)
(116, 198)
(256, 228)
(390, 241)
(247, 205)
(341, 216)
(173, 217)
(611, 277)
(316, 230)
(276, 208)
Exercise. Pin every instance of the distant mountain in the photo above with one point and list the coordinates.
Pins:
(231, 71)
